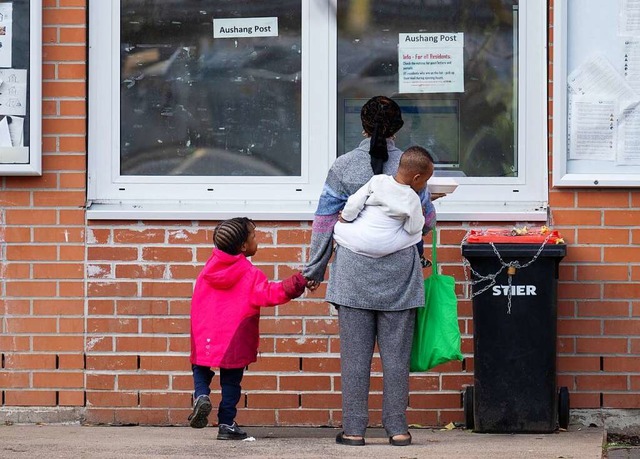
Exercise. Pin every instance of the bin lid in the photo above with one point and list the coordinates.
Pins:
(514, 250)
(516, 235)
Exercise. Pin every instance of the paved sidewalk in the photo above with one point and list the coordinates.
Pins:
(57, 441)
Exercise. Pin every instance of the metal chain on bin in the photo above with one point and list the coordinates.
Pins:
(512, 266)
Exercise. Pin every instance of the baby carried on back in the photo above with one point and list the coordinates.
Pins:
(385, 215)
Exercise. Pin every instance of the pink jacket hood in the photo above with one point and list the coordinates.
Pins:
(223, 271)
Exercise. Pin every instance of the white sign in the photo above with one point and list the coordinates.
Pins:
(245, 27)
(430, 62)
(6, 33)
(514, 290)
(13, 92)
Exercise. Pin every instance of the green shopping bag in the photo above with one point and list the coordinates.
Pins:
(436, 337)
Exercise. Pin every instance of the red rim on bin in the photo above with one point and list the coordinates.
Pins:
(521, 235)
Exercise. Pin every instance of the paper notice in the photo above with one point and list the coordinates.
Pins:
(13, 92)
(629, 136)
(630, 18)
(430, 62)
(5, 135)
(631, 63)
(598, 78)
(6, 34)
(16, 130)
(593, 129)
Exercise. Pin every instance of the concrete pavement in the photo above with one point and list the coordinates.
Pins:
(75, 441)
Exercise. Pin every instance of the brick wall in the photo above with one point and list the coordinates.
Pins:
(95, 314)
(42, 228)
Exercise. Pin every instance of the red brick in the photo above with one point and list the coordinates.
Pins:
(165, 363)
(30, 398)
(164, 399)
(14, 379)
(272, 400)
(140, 236)
(141, 344)
(30, 325)
(63, 16)
(431, 401)
(146, 381)
(58, 343)
(167, 254)
(71, 398)
(114, 399)
(58, 379)
(305, 383)
(137, 271)
(72, 35)
(305, 345)
(599, 346)
(101, 381)
(112, 362)
(167, 289)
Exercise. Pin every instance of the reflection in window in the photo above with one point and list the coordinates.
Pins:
(470, 134)
(192, 105)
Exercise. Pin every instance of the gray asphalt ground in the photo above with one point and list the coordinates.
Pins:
(75, 441)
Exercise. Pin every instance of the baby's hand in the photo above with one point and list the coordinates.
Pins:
(340, 219)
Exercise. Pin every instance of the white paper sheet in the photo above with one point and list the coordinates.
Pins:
(593, 128)
(16, 130)
(5, 135)
(598, 78)
(631, 64)
(14, 155)
(629, 136)
(630, 18)
(6, 34)
(13, 92)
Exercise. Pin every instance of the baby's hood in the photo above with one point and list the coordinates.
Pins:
(223, 271)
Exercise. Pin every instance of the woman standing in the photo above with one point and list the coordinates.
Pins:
(376, 298)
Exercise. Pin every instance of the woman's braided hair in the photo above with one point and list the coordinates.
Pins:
(381, 118)
(231, 234)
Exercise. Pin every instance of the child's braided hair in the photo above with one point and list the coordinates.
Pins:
(231, 234)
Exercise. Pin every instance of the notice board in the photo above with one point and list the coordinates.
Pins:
(20, 87)
(596, 97)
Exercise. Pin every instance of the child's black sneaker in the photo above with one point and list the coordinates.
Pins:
(201, 409)
(231, 432)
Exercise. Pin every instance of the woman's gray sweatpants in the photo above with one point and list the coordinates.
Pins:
(359, 329)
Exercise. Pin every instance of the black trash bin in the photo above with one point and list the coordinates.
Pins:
(514, 322)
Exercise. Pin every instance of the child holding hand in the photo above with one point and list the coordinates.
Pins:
(225, 315)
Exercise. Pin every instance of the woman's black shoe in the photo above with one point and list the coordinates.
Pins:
(403, 442)
(342, 440)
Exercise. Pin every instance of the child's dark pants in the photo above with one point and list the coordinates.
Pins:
(230, 379)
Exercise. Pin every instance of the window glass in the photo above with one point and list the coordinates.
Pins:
(469, 124)
(195, 105)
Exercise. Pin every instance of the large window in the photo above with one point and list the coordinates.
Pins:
(203, 100)
(209, 108)
(466, 120)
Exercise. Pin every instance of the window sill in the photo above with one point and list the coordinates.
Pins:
(301, 211)
(490, 211)
(208, 210)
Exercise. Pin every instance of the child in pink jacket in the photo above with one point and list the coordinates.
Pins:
(225, 315)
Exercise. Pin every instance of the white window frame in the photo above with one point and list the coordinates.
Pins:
(34, 166)
(522, 198)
